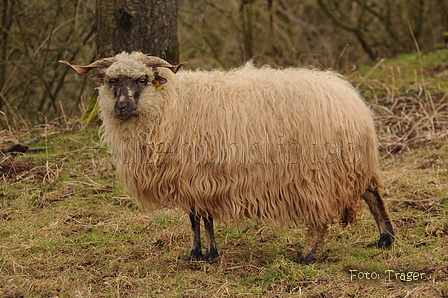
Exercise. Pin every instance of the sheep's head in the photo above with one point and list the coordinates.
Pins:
(127, 75)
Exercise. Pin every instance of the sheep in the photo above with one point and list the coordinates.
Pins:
(283, 146)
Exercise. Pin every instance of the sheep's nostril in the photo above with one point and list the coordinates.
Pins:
(122, 106)
(122, 103)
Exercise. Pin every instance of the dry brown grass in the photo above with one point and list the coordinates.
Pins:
(410, 100)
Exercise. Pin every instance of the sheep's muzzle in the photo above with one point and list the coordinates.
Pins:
(127, 92)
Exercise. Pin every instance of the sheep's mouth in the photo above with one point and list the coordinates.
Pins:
(124, 116)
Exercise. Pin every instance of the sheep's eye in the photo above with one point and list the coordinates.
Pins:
(142, 81)
(112, 82)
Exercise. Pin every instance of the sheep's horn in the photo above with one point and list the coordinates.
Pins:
(103, 63)
(152, 61)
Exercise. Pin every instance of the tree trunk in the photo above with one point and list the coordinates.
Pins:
(6, 18)
(149, 26)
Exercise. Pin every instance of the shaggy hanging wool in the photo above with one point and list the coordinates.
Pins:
(291, 145)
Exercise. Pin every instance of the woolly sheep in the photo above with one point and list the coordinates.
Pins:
(281, 146)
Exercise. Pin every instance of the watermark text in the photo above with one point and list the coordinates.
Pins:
(387, 275)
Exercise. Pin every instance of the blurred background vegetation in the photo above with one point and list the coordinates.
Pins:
(338, 34)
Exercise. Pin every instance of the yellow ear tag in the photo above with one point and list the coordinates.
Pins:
(157, 84)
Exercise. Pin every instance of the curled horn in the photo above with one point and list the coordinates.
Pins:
(103, 63)
(154, 62)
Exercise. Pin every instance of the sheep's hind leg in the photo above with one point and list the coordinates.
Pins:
(315, 240)
(196, 251)
(379, 212)
(211, 251)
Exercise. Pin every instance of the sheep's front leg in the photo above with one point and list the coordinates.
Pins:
(315, 240)
(211, 251)
(382, 219)
(196, 251)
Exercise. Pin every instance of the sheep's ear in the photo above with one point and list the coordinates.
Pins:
(98, 77)
(159, 81)
(82, 70)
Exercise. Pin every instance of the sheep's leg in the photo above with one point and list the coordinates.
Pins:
(196, 251)
(379, 212)
(211, 251)
(315, 240)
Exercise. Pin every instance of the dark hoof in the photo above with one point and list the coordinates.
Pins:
(385, 240)
(305, 260)
(211, 256)
(195, 255)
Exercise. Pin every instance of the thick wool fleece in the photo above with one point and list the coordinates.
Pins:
(128, 65)
(288, 145)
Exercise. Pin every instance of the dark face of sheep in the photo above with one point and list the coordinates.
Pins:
(126, 90)
(127, 93)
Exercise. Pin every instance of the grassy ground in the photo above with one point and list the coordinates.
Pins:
(68, 230)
